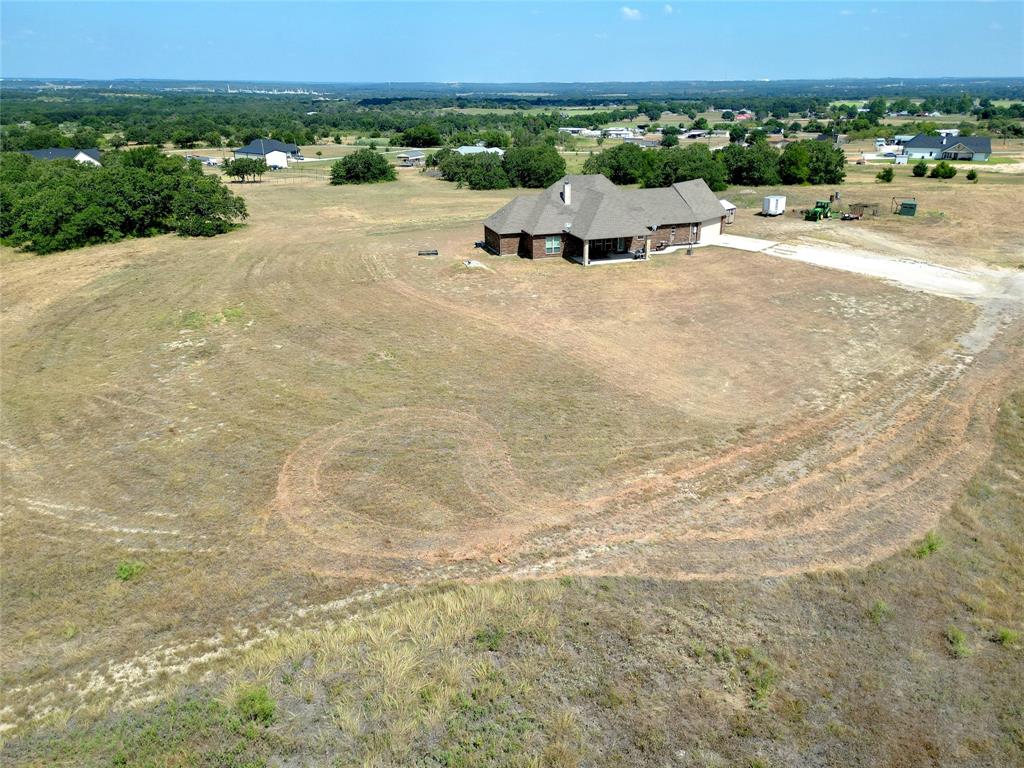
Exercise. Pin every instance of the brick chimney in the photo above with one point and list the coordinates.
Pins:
(567, 193)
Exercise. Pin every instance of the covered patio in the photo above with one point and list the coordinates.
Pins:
(613, 250)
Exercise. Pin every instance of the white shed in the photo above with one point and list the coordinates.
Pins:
(730, 211)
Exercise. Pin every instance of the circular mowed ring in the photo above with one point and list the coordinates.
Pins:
(403, 483)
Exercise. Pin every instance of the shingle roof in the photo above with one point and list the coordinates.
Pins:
(62, 153)
(973, 143)
(599, 209)
(263, 147)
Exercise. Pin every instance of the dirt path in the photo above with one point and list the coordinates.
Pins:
(826, 496)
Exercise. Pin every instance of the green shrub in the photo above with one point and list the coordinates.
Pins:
(886, 174)
(920, 169)
(1005, 636)
(932, 543)
(957, 643)
(255, 704)
(364, 166)
(972, 175)
(942, 170)
(128, 570)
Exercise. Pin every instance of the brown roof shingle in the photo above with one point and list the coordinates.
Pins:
(599, 209)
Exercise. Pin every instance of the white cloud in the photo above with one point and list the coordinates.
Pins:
(846, 12)
(631, 14)
(667, 9)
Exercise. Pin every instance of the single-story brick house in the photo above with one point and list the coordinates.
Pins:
(949, 147)
(85, 156)
(588, 218)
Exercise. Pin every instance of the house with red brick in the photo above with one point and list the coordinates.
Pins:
(589, 219)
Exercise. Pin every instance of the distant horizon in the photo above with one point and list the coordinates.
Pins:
(263, 81)
(510, 42)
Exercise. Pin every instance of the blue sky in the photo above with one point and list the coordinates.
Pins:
(511, 41)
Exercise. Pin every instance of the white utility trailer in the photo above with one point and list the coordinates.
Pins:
(773, 205)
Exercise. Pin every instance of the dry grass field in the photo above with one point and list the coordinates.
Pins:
(516, 514)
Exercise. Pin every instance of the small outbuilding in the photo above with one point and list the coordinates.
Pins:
(412, 158)
(730, 211)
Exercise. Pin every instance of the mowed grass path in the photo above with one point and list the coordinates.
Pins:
(153, 391)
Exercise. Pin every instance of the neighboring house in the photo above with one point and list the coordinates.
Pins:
(84, 156)
(837, 139)
(695, 133)
(412, 157)
(475, 150)
(948, 131)
(949, 147)
(902, 138)
(276, 153)
(572, 131)
(587, 218)
(619, 133)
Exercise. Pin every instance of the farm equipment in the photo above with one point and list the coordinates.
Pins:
(822, 210)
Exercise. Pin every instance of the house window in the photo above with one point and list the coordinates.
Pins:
(552, 245)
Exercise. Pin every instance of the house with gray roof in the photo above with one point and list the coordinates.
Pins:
(587, 218)
(85, 156)
(275, 153)
(949, 147)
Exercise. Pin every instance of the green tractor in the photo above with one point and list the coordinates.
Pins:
(821, 210)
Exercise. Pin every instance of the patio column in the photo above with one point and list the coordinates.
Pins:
(586, 253)
(647, 249)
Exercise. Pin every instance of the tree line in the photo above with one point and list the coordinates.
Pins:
(94, 117)
(759, 164)
(532, 165)
(48, 206)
